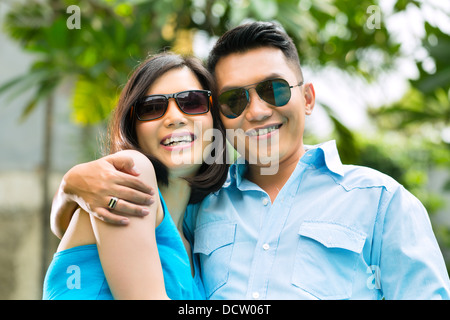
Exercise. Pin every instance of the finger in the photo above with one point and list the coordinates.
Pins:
(124, 207)
(135, 183)
(123, 163)
(109, 217)
(133, 195)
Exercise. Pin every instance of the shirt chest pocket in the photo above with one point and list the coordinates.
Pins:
(326, 259)
(214, 244)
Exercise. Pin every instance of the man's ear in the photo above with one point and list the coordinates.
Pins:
(310, 98)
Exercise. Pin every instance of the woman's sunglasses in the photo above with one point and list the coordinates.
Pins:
(191, 102)
(276, 92)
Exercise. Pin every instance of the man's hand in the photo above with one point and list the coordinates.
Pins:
(93, 184)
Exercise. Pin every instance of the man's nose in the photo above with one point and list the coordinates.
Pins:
(257, 109)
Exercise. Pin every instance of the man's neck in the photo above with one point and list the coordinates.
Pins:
(273, 183)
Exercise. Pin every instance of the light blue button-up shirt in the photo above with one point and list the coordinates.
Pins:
(333, 232)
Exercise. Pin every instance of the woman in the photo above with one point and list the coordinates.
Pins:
(159, 122)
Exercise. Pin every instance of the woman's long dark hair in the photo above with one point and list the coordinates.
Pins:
(122, 128)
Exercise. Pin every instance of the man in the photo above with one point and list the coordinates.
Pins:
(314, 228)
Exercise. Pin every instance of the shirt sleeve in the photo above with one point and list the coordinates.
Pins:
(411, 263)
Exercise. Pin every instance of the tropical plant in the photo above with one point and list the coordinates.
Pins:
(114, 35)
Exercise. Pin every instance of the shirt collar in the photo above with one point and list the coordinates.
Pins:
(324, 154)
(236, 172)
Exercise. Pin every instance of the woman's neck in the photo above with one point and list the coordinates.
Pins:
(176, 196)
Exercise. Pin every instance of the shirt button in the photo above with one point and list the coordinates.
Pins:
(266, 246)
(255, 295)
(265, 201)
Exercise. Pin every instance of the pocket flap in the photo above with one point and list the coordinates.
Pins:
(333, 235)
(213, 235)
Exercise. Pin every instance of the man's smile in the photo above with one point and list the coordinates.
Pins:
(263, 131)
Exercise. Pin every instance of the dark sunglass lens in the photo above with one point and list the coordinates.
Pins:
(275, 92)
(265, 91)
(193, 102)
(233, 102)
(151, 108)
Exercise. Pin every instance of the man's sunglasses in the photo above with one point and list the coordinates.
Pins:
(276, 92)
(191, 102)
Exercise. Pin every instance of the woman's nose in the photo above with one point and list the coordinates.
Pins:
(174, 116)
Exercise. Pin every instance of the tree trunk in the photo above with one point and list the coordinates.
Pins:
(46, 196)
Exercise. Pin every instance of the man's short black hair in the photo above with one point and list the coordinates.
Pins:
(251, 36)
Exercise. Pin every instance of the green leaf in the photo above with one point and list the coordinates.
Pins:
(446, 186)
(92, 101)
(264, 9)
(345, 138)
(45, 89)
(17, 86)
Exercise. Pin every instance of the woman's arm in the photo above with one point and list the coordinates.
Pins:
(61, 212)
(91, 185)
(129, 256)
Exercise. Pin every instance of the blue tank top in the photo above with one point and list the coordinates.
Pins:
(77, 274)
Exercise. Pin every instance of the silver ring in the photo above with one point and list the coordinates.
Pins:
(112, 203)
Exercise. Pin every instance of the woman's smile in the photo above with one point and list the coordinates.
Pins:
(179, 140)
